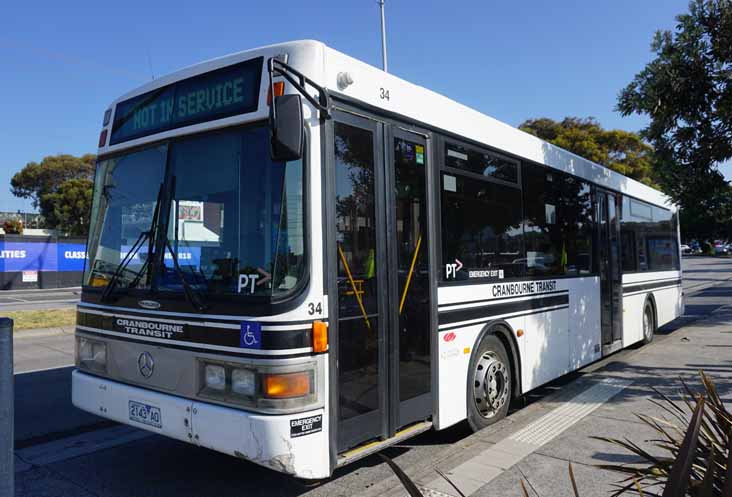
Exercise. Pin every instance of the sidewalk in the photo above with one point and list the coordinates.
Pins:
(43, 348)
(536, 443)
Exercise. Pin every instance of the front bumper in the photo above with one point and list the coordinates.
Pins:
(263, 439)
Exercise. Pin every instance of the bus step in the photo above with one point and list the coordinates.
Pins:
(370, 447)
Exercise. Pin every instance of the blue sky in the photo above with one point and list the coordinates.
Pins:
(63, 62)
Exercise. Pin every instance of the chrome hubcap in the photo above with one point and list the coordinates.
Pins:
(491, 384)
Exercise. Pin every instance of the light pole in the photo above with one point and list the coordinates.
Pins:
(383, 36)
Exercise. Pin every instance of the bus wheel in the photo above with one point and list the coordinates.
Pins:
(489, 384)
(649, 323)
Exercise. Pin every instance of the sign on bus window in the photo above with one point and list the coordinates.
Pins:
(214, 95)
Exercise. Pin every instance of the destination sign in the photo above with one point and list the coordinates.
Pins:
(214, 95)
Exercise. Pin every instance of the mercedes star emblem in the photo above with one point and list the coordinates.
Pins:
(146, 364)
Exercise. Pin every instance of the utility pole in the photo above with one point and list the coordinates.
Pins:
(383, 36)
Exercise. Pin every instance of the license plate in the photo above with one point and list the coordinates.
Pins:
(145, 414)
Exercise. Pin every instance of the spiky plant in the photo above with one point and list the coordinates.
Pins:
(696, 437)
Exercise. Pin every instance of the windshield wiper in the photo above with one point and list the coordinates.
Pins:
(144, 236)
(194, 298)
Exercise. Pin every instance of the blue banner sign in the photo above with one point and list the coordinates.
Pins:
(52, 256)
(187, 256)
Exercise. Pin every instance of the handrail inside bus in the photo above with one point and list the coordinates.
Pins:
(353, 286)
(409, 276)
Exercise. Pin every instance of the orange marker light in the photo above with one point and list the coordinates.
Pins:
(286, 385)
(279, 90)
(103, 138)
(519, 333)
(320, 336)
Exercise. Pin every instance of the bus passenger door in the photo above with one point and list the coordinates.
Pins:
(611, 278)
(378, 263)
(408, 268)
(360, 274)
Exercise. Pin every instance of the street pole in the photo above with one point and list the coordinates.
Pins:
(7, 397)
(383, 36)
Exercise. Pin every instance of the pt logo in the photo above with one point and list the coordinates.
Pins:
(452, 269)
(146, 364)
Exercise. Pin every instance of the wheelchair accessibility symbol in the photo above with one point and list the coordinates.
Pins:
(250, 336)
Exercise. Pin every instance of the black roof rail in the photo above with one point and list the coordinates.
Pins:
(277, 67)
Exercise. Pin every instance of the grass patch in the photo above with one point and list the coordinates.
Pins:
(50, 318)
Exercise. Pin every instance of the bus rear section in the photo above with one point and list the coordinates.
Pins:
(202, 314)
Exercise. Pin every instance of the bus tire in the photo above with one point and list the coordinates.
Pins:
(648, 322)
(489, 383)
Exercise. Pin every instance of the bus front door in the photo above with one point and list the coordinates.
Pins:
(611, 279)
(379, 222)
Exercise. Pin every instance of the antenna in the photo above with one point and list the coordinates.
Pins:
(383, 36)
(149, 62)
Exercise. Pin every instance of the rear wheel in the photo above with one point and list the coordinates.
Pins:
(489, 384)
(649, 323)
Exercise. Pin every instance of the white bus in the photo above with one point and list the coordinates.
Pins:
(298, 259)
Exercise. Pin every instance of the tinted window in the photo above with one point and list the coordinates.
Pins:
(481, 228)
(648, 237)
(483, 163)
(236, 218)
(558, 222)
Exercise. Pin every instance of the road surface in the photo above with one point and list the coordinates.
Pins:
(52, 298)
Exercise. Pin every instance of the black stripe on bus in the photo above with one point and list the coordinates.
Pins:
(496, 299)
(142, 314)
(227, 337)
(634, 287)
(199, 350)
(459, 315)
(492, 318)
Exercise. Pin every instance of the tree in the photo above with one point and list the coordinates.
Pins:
(36, 180)
(621, 151)
(61, 187)
(68, 208)
(686, 91)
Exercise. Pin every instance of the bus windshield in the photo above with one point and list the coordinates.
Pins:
(233, 219)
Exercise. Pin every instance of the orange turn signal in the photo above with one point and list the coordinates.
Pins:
(286, 385)
(279, 90)
(320, 336)
(519, 333)
(103, 138)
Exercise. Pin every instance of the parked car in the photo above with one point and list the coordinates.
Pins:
(721, 248)
(686, 249)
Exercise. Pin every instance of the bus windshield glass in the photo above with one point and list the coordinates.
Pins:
(233, 219)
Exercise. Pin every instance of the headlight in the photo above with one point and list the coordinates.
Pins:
(266, 387)
(243, 382)
(215, 377)
(91, 354)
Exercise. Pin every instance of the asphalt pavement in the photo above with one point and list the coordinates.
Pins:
(64, 452)
(51, 298)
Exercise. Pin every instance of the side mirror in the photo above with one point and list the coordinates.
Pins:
(286, 128)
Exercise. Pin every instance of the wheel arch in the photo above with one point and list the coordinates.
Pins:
(505, 333)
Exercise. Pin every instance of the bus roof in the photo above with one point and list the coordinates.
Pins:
(428, 108)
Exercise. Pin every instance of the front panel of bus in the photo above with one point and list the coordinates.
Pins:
(203, 284)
